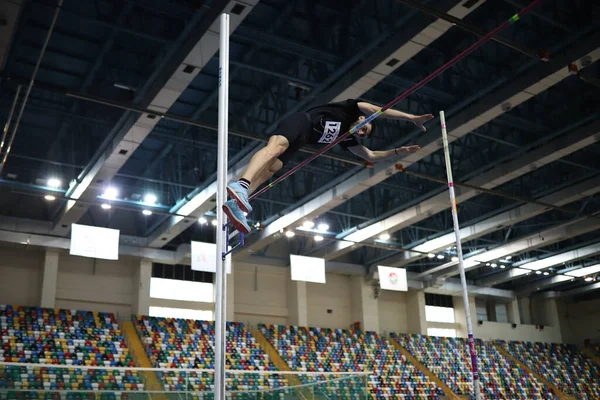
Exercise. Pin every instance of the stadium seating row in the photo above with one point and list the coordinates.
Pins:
(63, 338)
(338, 350)
(564, 365)
(449, 359)
(179, 343)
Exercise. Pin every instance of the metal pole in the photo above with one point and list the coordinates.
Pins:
(31, 82)
(10, 115)
(222, 239)
(461, 267)
(404, 95)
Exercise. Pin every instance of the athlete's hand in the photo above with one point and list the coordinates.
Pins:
(419, 120)
(410, 149)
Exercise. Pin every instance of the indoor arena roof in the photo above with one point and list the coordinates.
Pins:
(125, 97)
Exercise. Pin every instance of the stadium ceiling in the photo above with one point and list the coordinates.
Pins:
(125, 96)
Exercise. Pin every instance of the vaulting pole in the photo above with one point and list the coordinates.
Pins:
(222, 240)
(461, 267)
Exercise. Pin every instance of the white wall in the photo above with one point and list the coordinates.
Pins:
(525, 333)
(504, 331)
(260, 294)
(335, 295)
(393, 315)
(21, 273)
(96, 285)
(580, 321)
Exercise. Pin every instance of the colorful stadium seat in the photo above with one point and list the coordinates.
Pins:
(339, 350)
(563, 365)
(449, 359)
(63, 338)
(179, 343)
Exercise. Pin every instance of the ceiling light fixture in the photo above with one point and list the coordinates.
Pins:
(106, 206)
(111, 193)
(384, 236)
(323, 227)
(308, 224)
(150, 199)
(318, 238)
(54, 183)
(49, 197)
(147, 212)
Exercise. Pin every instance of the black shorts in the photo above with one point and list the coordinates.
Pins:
(297, 129)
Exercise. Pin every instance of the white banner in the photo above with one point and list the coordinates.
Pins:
(307, 269)
(392, 278)
(204, 257)
(94, 242)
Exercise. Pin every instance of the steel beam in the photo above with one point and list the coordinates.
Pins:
(556, 149)
(395, 52)
(163, 89)
(282, 44)
(36, 233)
(193, 207)
(544, 284)
(453, 287)
(544, 238)
(575, 292)
(10, 11)
(89, 79)
(507, 96)
(560, 198)
(547, 262)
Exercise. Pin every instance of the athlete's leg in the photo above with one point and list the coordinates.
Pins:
(259, 162)
(294, 131)
(264, 157)
(266, 174)
(233, 210)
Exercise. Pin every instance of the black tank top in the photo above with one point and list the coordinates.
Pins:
(332, 120)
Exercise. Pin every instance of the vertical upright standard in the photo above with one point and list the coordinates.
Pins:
(222, 240)
(461, 267)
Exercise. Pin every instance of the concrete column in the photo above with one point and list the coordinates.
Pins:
(550, 315)
(415, 309)
(141, 282)
(514, 316)
(460, 316)
(297, 303)
(526, 317)
(364, 305)
(49, 281)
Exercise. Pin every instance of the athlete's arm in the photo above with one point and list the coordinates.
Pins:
(418, 120)
(374, 156)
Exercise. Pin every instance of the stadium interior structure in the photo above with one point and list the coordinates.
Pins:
(118, 130)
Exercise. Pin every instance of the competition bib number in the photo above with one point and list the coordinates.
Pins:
(331, 132)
